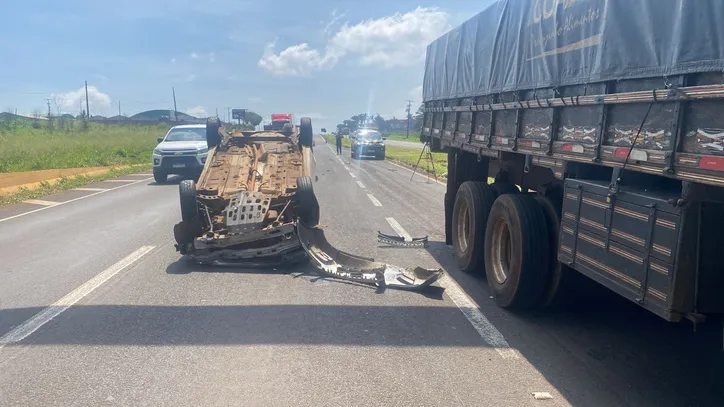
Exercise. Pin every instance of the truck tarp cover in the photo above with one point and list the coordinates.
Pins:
(529, 44)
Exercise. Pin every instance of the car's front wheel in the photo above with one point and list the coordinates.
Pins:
(159, 176)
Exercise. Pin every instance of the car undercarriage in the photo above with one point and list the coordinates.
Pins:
(254, 205)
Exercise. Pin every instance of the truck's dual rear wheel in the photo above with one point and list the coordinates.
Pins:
(517, 251)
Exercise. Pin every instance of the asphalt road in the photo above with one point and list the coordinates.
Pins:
(97, 308)
(406, 144)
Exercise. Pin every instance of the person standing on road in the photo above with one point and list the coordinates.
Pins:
(339, 143)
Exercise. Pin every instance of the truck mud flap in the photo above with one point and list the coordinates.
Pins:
(345, 266)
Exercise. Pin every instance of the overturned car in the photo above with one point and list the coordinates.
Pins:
(254, 205)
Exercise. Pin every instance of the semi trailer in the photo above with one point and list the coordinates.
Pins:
(599, 125)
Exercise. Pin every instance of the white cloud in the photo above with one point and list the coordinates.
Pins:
(71, 101)
(297, 60)
(416, 94)
(173, 60)
(254, 99)
(194, 55)
(396, 40)
(198, 111)
(190, 77)
(336, 17)
(212, 57)
(101, 77)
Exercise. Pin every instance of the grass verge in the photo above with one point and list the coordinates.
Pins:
(25, 148)
(69, 183)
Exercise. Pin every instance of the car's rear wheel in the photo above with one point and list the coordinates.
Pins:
(307, 205)
(306, 134)
(213, 138)
(187, 196)
(159, 176)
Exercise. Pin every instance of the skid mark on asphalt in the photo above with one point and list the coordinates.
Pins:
(25, 329)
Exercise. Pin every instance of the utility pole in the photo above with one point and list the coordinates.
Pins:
(409, 104)
(119, 108)
(175, 112)
(87, 108)
(217, 112)
(49, 114)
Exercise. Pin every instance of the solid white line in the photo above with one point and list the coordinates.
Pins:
(352, 174)
(399, 229)
(89, 189)
(23, 330)
(119, 180)
(73, 200)
(374, 200)
(471, 310)
(361, 185)
(40, 202)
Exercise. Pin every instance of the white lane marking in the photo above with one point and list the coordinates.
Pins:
(23, 330)
(89, 189)
(73, 200)
(119, 180)
(351, 174)
(471, 310)
(361, 185)
(40, 202)
(399, 229)
(374, 200)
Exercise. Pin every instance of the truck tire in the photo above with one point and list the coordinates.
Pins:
(555, 290)
(516, 246)
(187, 196)
(213, 138)
(307, 205)
(470, 216)
(306, 134)
(504, 188)
(159, 176)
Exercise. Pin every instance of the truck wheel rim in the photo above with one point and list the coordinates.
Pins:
(464, 226)
(501, 251)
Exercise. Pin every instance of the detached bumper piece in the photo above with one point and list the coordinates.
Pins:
(346, 266)
(400, 241)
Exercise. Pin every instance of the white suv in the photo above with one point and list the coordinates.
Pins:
(182, 151)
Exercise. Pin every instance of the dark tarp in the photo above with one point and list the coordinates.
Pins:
(528, 44)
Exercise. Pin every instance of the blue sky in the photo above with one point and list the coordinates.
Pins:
(325, 59)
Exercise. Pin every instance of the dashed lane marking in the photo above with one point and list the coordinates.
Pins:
(90, 189)
(399, 229)
(374, 200)
(40, 202)
(41, 318)
(361, 185)
(75, 199)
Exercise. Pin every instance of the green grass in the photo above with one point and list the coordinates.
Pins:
(25, 148)
(69, 183)
(402, 136)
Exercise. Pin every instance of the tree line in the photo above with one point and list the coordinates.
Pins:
(362, 120)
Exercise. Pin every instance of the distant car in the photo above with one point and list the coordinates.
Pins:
(368, 143)
(182, 151)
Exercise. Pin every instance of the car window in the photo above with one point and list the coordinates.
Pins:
(186, 135)
(372, 135)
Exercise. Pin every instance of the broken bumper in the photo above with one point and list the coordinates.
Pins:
(346, 266)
